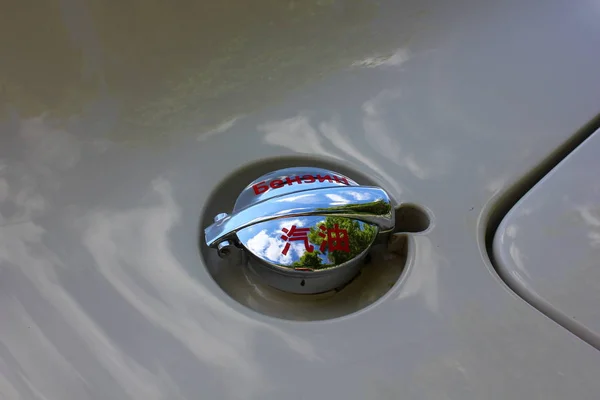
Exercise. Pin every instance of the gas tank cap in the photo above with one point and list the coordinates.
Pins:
(304, 230)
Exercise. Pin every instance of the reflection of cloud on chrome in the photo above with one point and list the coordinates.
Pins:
(288, 223)
(359, 196)
(337, 199)
(271, 247)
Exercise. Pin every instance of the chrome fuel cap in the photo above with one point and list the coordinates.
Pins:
(305, 230)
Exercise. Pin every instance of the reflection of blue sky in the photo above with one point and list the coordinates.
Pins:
(270, 247)
(338, 200)
(265, 241)
(346, 196)
(305, 198)
(359, 196)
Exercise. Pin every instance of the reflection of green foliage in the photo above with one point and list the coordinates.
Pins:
(178, 66)
(360, 236)
(309, 260)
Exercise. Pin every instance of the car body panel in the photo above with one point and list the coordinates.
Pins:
(119, 122)
(547, 245)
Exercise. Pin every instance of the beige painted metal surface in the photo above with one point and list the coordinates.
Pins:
(119, 119)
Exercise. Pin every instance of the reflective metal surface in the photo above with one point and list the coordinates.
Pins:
(289, 180)
(368, 204)
(316, 243)
(307, 230)
(308, 254)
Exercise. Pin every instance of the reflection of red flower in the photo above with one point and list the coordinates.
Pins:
(296, 235)
(335, 239)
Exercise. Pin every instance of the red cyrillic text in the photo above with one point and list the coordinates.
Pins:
(324, 178)
(262, 187)
(276, 183)
(308, 178)
(289, 180)
(341, 179)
